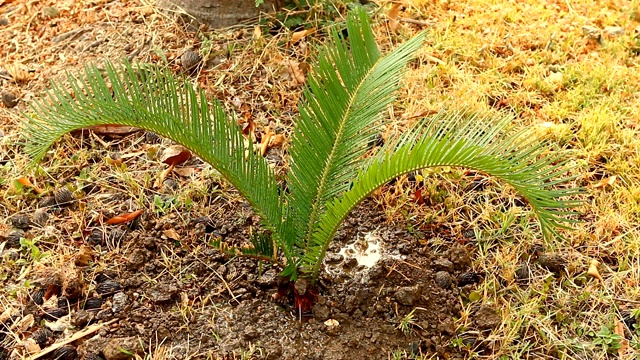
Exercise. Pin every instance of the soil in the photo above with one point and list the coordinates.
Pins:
(197, 301)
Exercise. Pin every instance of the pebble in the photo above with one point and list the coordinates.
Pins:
(190, 60)
(21, 221)
(442, 264)
(268, 278)
(407, 295)
(9, 99)
(113, 350)
(120, 302)
(443, 279)
(553, 262)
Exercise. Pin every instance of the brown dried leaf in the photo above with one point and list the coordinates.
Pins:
(125, 217)
(175, 154)
(171, 234)
(393, 14)
(84, 256)
(276, 141)
(113, 129)
(593, 270)
(619, 330)
(27, 183)
(185, 171)
(604, 182)
(298, 35)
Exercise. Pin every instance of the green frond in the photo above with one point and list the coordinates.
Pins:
(460, 140)
(342, 110)
(154, 100)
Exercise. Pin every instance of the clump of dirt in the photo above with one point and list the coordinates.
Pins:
(192, 299)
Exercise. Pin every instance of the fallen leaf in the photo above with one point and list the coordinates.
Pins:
(18, 72)
(113, 129)
(84, 256)
(593, 270)
(619, 330)
(175, 154)
(298, 35)
(604, 182)
(393, 14)
(294, 72)
(172, 156)
(276, 141)
(257, 33)
(27, 183)
(331, 323)
(171, 234)
(124, 218)
(185, 171)
(417, 197)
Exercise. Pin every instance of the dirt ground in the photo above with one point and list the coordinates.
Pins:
(464, 272)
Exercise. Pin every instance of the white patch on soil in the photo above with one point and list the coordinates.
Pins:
(366, 251)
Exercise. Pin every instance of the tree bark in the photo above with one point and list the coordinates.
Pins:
(220, 13)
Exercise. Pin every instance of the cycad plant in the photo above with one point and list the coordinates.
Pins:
(342, 113)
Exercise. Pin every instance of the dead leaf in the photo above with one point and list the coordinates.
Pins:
(298, 35)
(593, 270)
(393, 14)
(125, 217)
(294, 72)
(113, 129)
(185, 171)
(84, 256)
(276, 141)
(604, 182)
(619, 330)
(257, 33)
(27, 183)
(171, 234)
(175, 154)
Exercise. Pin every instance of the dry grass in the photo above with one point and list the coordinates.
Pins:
(537, 59)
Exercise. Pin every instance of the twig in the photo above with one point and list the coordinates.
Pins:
(413, 21)
(91, 329)
(69, 35)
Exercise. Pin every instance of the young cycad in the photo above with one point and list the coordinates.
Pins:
(342, 112)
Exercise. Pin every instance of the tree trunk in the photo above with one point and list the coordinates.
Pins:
(220, 13)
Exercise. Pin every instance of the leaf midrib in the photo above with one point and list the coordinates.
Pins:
(325, 172)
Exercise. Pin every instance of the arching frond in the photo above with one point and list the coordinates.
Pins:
(460, 140)
(154, 100)
(345, 100)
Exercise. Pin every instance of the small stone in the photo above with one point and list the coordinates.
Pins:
(50, 12)
(301, 286)
(190, 60)
(444, 279)
(407, 295)
(442, 264)
(21, 222)
(460, 258)
(613, 31)
(120, 302)
(4, 21)
(333, 258)
(523, 272)
(113, 350)
(553, 262)
(137, 259)
(13, 239)
(250, 332)
(487, 318)
(321, 312)
(162, 293)
(9, 99)
(40, 217)
(63, 196)
(82, 318)
(269, 278)
(47, 201)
